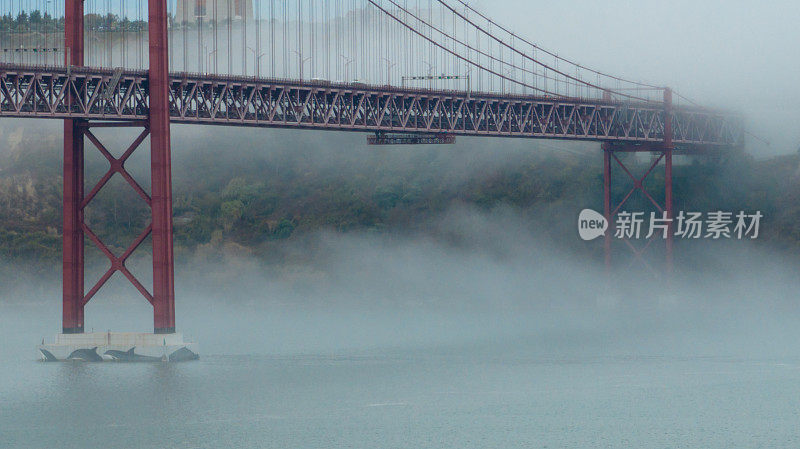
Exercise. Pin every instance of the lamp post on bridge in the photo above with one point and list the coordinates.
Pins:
(208, 58)
(346, 64)
(469, 81)
(257, 61)
(302, 62)
(389, 66)
(509, 74)
(430, 74)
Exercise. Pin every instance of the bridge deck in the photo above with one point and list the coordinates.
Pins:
(89, 93)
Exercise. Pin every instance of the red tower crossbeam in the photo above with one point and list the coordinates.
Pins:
(116, 166)
(156, 126)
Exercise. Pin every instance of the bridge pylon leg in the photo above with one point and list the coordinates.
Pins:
(661, 151)
(161, 171)
(611, 209)
(72, 257)
(669, 145)
(607, 206)
(72, 244)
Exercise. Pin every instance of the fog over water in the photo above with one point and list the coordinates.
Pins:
(486, 336)
(475, 328)
(472, 327)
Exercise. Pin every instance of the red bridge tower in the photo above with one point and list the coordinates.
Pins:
(162, 295)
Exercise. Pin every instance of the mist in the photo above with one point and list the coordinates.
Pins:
(730, 54)
(347, 295)
(460, 274)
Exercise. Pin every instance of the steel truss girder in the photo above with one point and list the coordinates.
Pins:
(79, 93)
(88, 93)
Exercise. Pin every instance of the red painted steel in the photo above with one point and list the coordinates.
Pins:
(611, 211)
(153, 99)
(607, 204)
(160, 169)
(117, 263)
(235, 101)
(668, 147)
(72, 257)
(146, 98)
(665, 153)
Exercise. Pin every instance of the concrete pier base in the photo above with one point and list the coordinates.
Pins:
(118, 347)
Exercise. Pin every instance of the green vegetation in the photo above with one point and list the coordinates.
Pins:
(251, 195)
(42, 22)
(35, 20)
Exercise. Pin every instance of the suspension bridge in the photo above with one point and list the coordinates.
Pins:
(403, 71)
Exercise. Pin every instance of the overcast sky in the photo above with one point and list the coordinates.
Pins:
(739, 54)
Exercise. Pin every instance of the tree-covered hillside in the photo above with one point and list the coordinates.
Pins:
(251, 187)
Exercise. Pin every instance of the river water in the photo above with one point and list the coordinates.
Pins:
(312, 379)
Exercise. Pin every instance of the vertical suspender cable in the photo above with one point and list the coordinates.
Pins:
(229, 48)
(300, 38)
(215, 51)
(124, 20)
(185, 35)
(272, 24)
(171, 36)
(285, 42)
(109, 36)
(258, 37)
(198, 22)
(239, 13)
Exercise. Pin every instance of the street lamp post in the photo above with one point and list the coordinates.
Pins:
(257, 61)
(389, 66)
(430, 74)
(346, 64)
(208, 59)
(302, 62)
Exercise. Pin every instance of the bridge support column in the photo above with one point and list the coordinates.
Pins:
(661, 151)
(159, 199)
(607, 205)
(72, 311)
(161, 170)
(72, 244)
(106, 345)
(668, 147)
(612, 158)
